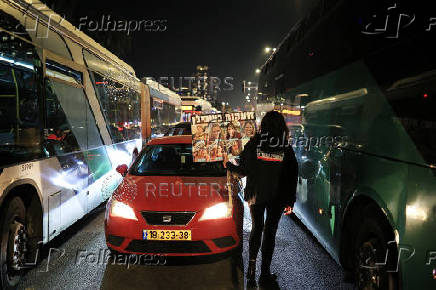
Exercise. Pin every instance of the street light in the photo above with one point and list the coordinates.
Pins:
(269, 49)
(257, 71)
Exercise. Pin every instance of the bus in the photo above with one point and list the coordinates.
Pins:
(70, 113)
(364, 75)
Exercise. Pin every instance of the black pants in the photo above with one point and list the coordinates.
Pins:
(269, 228)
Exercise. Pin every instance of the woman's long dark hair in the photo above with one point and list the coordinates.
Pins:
(274, 133)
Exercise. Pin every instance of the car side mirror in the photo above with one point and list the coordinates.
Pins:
(122, 169)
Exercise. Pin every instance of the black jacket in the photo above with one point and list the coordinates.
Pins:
(272, 173)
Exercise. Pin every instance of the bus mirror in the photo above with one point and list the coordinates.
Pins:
(122, 169)
(308, 169)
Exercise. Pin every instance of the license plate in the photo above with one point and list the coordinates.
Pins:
(167, 235)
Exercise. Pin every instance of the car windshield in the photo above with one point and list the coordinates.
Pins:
(174, 160)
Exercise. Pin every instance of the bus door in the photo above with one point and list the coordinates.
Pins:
(330, 199)
(311, 181)
(328, 206)
(319, 180)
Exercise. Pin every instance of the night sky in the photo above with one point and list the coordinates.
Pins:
(228, 36)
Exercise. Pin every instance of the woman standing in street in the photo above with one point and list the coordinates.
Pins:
(271, 168)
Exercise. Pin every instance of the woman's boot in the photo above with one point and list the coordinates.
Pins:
(266, 277)
(251, 271)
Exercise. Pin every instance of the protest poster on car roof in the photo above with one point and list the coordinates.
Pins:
(218, 137)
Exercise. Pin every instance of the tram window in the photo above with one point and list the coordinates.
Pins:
(172, 114)
(166, 113)
(62, 72)
(121, 108)
(60, 138)
(155, 112)
(20, 129)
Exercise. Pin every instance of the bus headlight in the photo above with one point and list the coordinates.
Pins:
(218, 211)
(122, 210)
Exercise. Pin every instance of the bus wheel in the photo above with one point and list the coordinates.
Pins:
(13, 241)
(370, 253)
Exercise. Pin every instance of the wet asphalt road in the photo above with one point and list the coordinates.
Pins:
(298, 259)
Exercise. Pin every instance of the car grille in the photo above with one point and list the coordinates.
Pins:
(155, 218)
(167, 247)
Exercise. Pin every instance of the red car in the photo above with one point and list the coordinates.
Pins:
(167, 204)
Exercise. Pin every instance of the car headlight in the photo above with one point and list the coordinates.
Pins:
(122, 210)
(218, 211)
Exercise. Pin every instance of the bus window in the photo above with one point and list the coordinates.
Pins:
(410, 91)
(414, 106)
(20, 130)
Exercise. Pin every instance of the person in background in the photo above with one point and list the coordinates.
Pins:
(271, 169)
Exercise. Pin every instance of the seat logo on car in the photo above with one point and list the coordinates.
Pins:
(166, 218)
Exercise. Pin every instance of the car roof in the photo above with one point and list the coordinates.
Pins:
(182, 128)
(179, 139)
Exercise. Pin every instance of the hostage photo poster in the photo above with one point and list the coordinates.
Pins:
(217, 137)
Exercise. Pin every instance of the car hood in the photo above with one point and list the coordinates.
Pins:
(171, 193)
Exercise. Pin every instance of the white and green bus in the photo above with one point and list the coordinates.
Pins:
(364, 75)
(70, 112)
